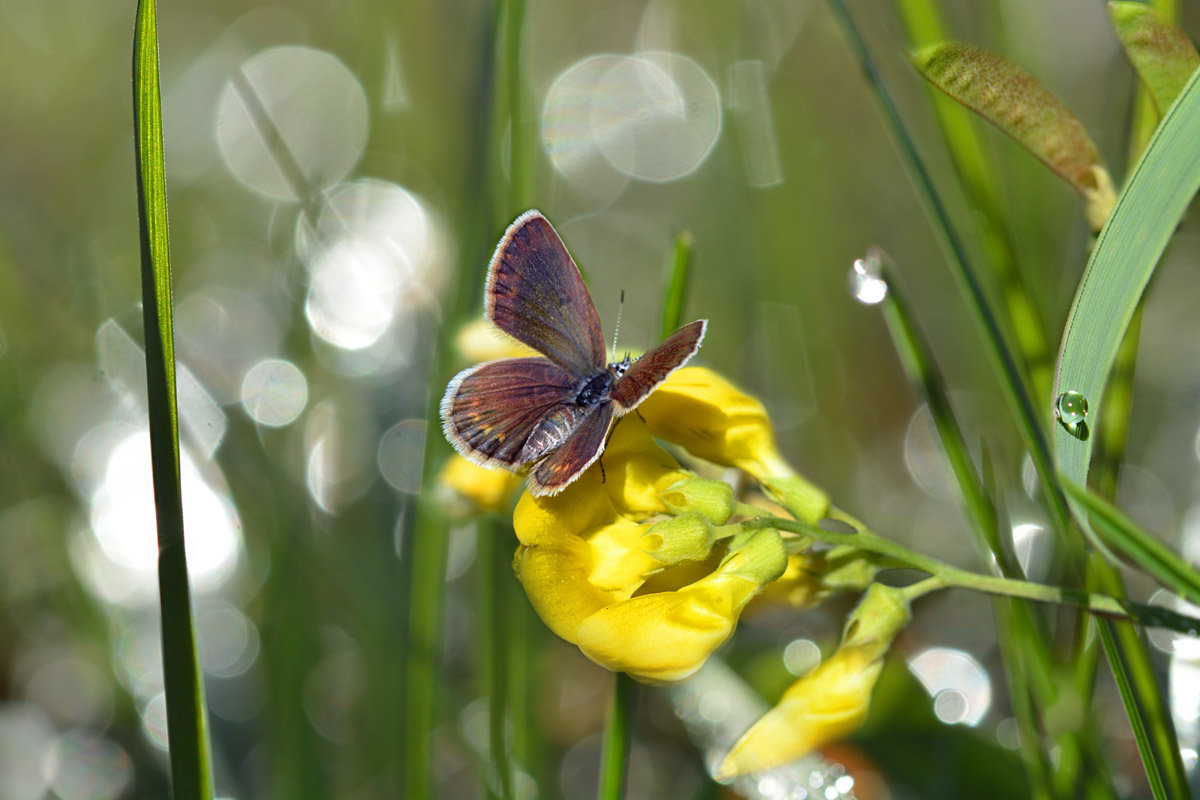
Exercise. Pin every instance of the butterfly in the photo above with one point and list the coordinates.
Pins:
(549, 416)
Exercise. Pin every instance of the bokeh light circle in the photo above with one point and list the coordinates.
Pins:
(656, 116)
(274, 392)
(291, 121)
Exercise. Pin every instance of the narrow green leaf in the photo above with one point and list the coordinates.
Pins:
(1128, 249)
(187, 729)
(1014, 101)
(678, 273)
(1125, 537)
(1161, 53)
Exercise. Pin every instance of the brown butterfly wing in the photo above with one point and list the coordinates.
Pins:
(535, 293)
(645, 374)
(490, 411)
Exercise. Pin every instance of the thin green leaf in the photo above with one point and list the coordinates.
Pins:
(1125, 537)
(1014, 101)
(187, 729)
(1128, 249)
(1162, 54)
(678, 274)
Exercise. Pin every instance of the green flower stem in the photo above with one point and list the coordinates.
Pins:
(945, 576)
(618, 732)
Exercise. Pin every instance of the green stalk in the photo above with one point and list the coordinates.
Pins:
(494, 571)
(618, 732)
(944, 575)
(426, 555)
(512, 14)
(187, 726)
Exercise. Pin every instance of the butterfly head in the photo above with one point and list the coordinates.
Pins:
(619, 368)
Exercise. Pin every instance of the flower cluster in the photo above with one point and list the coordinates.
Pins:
(647, 567)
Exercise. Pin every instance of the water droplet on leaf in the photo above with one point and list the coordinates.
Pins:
(867, 283)
(1071, 408)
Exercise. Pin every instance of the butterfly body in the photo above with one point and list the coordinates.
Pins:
(549, 415)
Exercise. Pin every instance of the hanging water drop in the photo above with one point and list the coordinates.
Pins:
(1071, 409)
(867, 283)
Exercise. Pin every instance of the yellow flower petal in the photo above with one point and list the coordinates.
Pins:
(577, 554)
(832, 701)
(714, 420)
(822, 707)
(800, 586)
(637, 471)
(668, 635)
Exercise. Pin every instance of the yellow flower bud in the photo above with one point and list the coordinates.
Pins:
(832, 701)
(712, 419)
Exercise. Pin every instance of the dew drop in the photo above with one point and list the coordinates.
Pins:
(866, 280)
(1071, 409)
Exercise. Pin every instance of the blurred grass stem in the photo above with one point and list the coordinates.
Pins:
(618, 733)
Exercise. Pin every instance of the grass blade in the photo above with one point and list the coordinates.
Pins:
(1125, 256)
(678, 278)
(1127, 538)
(187, 729)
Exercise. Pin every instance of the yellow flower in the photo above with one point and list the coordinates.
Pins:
(582, 562)
(712, 419)
(481, 340)
(467, 488)
(832, 701)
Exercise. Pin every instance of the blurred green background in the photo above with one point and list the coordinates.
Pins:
(337, 180)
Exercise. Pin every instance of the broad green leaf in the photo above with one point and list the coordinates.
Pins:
(1161, 53)
(1014, 101)
(1126, 253)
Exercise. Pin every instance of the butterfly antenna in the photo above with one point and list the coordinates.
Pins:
(617, 329)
